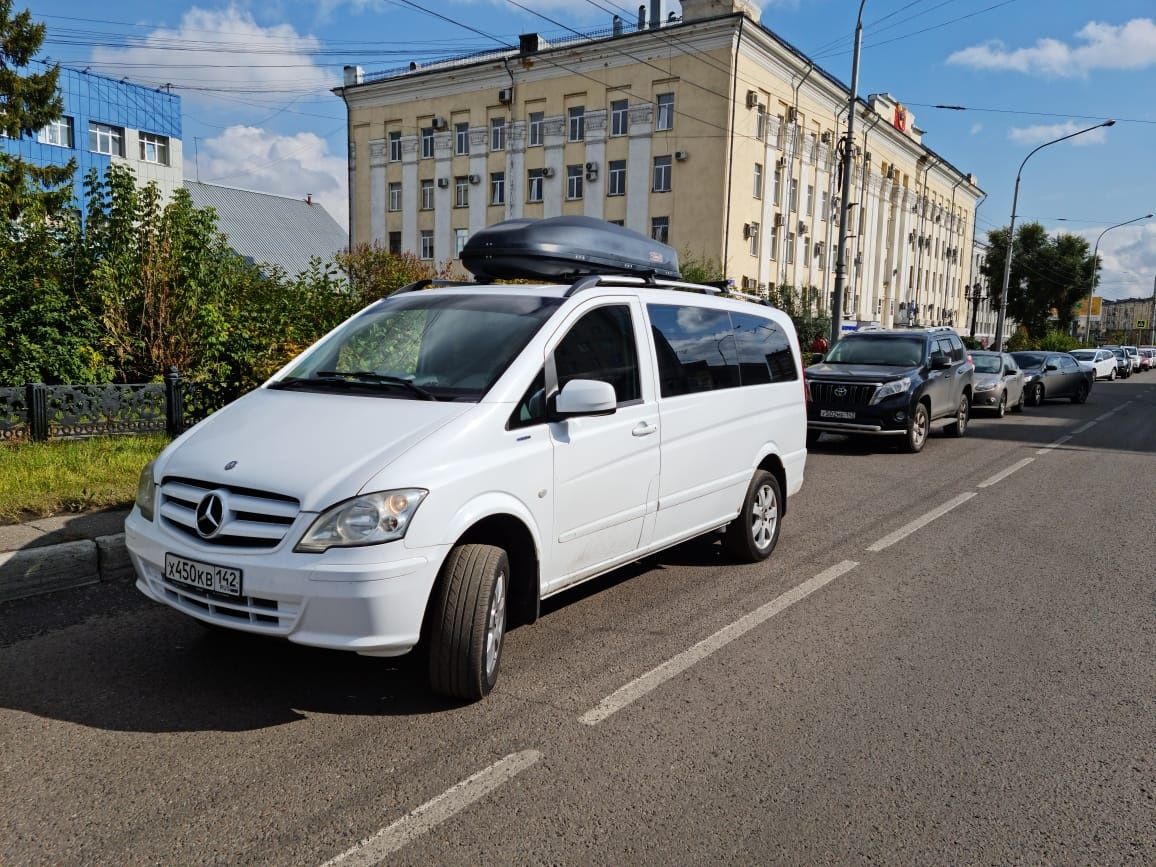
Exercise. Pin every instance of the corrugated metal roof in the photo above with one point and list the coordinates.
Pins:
(272, 229)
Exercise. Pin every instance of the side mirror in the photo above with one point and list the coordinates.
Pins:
(1052, 367)
(584, 397)
(816, 357)
(940, 361)
(1008, 371)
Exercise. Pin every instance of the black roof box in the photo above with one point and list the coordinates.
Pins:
(560, 249)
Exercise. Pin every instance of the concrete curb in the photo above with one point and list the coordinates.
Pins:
(46, 569)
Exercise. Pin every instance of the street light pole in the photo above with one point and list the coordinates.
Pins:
(1092, 283)
(845, 190)
(1011, 232)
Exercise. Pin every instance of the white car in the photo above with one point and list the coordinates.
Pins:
(1101, 361)
(1134, 355)
(447, 458)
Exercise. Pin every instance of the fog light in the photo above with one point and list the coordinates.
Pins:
(901, 416)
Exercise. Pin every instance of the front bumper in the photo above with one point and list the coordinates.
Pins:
(368, 600)
(986, 399)
(887, 418)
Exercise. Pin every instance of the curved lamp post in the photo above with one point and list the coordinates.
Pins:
(1092, 283)
(1011, 232)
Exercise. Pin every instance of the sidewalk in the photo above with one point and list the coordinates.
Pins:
(63, 551)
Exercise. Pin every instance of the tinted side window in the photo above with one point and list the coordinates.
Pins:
(944, 345)
(531, 409)
(1068, 364)
(957, 353)
(696, 349)
(601, 346)
(764, 350)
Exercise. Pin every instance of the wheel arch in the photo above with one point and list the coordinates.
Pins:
(773, 464)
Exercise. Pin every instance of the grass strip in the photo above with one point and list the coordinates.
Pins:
(41, 479)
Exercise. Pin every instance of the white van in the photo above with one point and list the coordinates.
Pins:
(447, 458)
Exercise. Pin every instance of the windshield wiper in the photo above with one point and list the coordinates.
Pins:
(370, 376)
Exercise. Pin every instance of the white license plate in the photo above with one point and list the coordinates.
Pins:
(836, 413)
(205, 576)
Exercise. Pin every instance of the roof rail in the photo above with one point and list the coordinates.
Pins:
(417, 285)
(589, 281)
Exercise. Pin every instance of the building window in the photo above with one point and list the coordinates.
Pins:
(427, 251)
(395, 197)
(617, 179)
(461, 138)
(427, 195)
(105, 139)
(824, 206)
(619, 121)
(395, 243)
(574, 182)
(810, 200)
(777, 188)
(761, 122)
(790, 247)
(497, 133)
(758, 180)
(794, 209)
(662, 174)
(461, 192)
(536, 119)
(460, 238)
(497, 188)
(660, 229)
(534, 185)
(427, 142)
(577, 123)
(58, 132)
(774, 242)
(395, 147)
(754, 239)
(664, 118)
(154, 148)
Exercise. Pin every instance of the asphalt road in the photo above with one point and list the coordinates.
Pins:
(980, 690)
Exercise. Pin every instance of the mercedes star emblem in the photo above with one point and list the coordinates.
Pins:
(210, 515)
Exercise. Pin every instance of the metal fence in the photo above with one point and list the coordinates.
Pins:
(38, 412)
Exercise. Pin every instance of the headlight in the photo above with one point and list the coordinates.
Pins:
(986, 386)
(146, 492)
(899, 386)
(366, 520)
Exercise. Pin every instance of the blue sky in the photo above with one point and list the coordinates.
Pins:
(254, 79)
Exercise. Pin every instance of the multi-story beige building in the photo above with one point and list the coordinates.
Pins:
(1124, 317)
(707, 132)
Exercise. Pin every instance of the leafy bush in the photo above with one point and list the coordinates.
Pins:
(971, 342)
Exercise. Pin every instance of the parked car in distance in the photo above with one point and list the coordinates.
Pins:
(999, 383)
(1102, 362)
(1054, 374)
(1134, 355)
(1123, 362)
(882, 382)
(1147, 358)
(438, 464)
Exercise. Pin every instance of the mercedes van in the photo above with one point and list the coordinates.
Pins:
(437, 465)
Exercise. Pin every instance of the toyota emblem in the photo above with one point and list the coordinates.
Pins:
(840, 391)
(210, 515)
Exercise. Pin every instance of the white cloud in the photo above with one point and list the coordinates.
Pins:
(289, 165)
(1127, 259)
(1042, 132)
(1104, 46)
(247, 59)
(976, 128)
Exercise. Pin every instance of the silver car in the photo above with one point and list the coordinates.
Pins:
(998, 383)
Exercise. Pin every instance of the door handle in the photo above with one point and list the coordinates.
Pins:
(642, 429)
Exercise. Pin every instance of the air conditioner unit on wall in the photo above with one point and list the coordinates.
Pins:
(746, 231)
(781, 162)
(802, 227)
(475, 179)
(792, 113)
(547, 172)
(778, 219)
(825, 138)
(506, 95)
(752, 98)
(443, 182)
(592, 167)
(681, 156)
(440, 123)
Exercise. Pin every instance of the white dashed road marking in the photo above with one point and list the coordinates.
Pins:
(922, 521)
(1003, 474)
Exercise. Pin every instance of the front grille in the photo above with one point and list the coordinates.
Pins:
(251, 519)
(273, 614)
(843, 393)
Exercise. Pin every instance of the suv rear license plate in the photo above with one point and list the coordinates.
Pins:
(203, 576)
(836, 413)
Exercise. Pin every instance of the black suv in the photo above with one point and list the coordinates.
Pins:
(891, 383)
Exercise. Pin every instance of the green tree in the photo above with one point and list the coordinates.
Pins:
(28, 102)
(1049, 276)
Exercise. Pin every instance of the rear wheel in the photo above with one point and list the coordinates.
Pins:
(1081, 395)
(917, 429)
(469, 622)
(962, 413)
(752, 536)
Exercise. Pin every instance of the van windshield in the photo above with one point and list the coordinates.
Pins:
(422, 346)
(890, 351)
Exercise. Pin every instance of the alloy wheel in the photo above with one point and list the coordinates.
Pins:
(496, 624)
(764, 517)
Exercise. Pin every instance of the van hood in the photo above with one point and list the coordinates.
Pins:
(319, 448)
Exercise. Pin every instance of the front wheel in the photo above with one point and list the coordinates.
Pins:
(1081, 395)
(917, 429)
(752, 536)
(962, 413)
(1112, 375)
(1019, 407)
(1036, 397)
(469, 622)
(1001, 410)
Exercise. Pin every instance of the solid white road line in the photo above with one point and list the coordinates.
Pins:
(1053, 445)
(1085, 426)
(372, 850)
(906, 530)
(654, 678)
(1003, 474)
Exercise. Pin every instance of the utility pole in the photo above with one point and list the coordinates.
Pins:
(1152, 317)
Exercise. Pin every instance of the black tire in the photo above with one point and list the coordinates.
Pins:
(962, 415)
(1001, 409)
(1037, 394)
(748, 539)
(466, 618)
(1081, 395)
(1112, 375)
(1019, 407)
(813, 437)
(918, 427)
